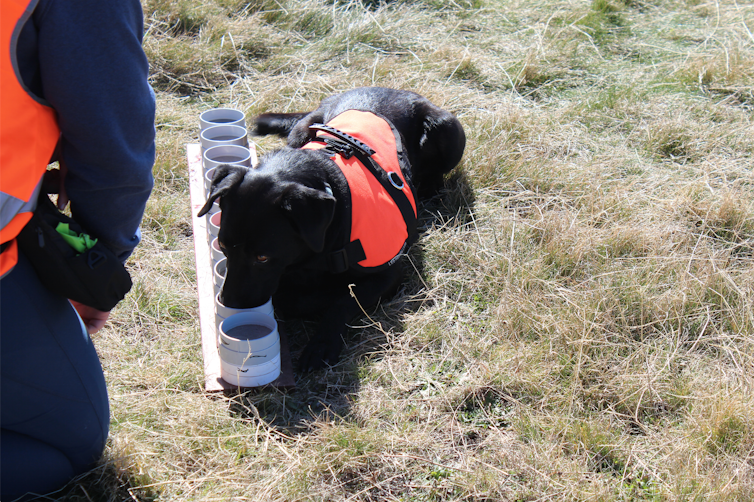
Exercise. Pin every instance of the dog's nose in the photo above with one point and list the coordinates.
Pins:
(231, 300)
(234, 295)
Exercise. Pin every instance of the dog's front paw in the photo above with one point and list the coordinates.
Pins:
(318, 355)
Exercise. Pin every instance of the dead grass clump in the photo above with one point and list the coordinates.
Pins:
(729, 220)
(196, 49)
(184, 68)
(674, 141)
(726, 430)
(182, 17)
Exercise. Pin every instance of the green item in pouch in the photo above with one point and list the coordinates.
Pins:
(79, 242)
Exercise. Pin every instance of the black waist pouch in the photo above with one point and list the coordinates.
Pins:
(94, 277)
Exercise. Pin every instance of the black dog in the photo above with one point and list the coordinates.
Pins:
(300, 228)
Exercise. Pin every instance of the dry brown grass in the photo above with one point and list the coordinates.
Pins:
(579, 323)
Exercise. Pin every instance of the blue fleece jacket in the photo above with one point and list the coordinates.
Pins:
(84, 59)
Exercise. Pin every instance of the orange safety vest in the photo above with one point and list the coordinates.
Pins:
(376, 220)
(29, 133)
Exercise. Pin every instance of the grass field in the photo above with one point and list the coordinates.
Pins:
(578, 323)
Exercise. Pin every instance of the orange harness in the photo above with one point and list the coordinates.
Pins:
(368, 151)
(28, 135)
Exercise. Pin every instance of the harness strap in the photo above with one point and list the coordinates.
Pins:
(395, 188)
(346, 145)
(341, 260)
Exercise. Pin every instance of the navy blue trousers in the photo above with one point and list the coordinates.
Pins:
(54, 412)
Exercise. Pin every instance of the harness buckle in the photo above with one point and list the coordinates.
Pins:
(337, 261)
(337, 146)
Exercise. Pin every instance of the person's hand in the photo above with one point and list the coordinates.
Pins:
(94, 319)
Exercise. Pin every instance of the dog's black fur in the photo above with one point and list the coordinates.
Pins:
(278, 217)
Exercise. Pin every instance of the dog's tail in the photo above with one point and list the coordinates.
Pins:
(276, 123)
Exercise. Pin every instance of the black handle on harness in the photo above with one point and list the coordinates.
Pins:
(350, 140)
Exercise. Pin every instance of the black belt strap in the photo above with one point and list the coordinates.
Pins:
(346, 145)
(396, 189)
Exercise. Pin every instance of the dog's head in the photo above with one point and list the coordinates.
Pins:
(271, 219)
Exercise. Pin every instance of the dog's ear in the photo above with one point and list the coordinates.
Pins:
(311, 211)
(226, 176)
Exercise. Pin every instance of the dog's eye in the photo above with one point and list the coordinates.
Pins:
(262, 258)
